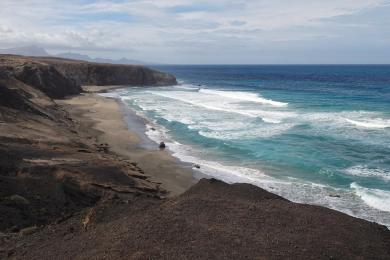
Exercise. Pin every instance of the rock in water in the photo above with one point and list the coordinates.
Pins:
(162, 145)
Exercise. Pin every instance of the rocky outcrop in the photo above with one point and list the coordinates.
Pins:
(58, 78)
(21, 97)
(38, 75)
(47, 79)
(86, 73)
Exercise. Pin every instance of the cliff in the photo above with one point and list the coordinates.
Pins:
(87, 73)
(58, 78)
(38, 75)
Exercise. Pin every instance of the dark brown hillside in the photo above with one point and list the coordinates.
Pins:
(213, 220)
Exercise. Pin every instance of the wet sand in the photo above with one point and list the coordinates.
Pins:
(103, 118)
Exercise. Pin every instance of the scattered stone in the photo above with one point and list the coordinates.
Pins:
(153, 129)
(28, 230)
(84, 151)
(134, 164)
(162, 145)
(88, 218)
(103, 147)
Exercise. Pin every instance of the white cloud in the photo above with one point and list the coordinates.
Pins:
(144, 26)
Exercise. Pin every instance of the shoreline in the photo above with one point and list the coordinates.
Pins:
(174, 175)
(112, 124)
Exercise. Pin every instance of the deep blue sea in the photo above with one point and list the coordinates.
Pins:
(311, 133)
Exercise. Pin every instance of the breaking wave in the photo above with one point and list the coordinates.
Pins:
(244, 96)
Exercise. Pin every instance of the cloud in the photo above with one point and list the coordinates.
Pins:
(143, 27)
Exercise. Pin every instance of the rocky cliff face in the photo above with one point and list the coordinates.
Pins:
(86, 73)
(38, 75)
(58, 78)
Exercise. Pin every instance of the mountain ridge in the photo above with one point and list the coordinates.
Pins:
(37, 51)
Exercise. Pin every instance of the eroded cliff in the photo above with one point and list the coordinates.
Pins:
(58, 78)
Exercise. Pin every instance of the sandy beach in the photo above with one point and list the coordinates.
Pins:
(102, 118)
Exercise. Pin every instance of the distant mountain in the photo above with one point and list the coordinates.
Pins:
(30, 50)
(77, 56)
(73, 56)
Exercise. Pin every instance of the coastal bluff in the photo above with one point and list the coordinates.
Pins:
(58, 77)
(66, 193)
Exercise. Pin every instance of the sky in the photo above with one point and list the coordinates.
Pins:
(204, 32)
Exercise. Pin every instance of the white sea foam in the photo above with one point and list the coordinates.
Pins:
(375, 198)
(248, 133)
(376, 123)
(349, 119)
(186, 87)
(245, 96)
(221, 117)
(218, 119)
(113, 94)
(223, 105)
(335, 124)
(365, 171)
(201, 110)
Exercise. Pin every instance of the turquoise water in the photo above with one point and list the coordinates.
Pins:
(313, 134)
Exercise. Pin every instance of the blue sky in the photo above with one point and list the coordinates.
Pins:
(204, 32)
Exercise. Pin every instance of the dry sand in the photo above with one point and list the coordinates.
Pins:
(102, 118)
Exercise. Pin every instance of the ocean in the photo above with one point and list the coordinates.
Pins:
(317, 134)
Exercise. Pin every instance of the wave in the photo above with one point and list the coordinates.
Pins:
(364, 171)
(247, 133)
(378, 199)
(245, 96)
(370, 123)
(370, 205)
(210, 104)
(200, 111)
(186, 87)
(335, 124)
